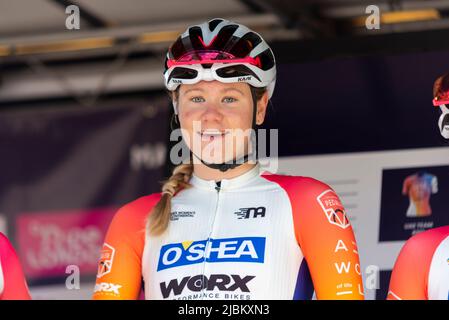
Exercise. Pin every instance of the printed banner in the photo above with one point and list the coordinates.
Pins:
(49, 242)
(66, 171)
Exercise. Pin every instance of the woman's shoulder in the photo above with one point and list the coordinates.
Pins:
(138, 209)
(142, 203)
(3, 239)
(296, 182)
(418, 251)
(428, 239)
(5, 244)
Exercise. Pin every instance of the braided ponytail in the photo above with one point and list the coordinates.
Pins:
(159, 217)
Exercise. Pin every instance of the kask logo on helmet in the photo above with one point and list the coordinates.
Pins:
(243, 79)
(243, 249)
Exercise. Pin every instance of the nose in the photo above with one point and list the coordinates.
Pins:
(212, 114)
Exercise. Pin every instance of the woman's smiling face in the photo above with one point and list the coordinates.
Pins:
(216, 119)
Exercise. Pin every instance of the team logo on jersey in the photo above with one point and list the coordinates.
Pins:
(244, 249)
(107, 288)
(106, 259)
(221, 282)
(334, 210)
(175, 215)
(246, 213)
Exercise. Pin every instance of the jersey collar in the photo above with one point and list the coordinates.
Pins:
(226, 184)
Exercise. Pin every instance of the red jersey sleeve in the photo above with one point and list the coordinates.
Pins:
(409, 278)
(120, 267)
(12, 282)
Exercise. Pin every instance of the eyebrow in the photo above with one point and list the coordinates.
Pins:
(193, 89)
(233, 89)
(224, 90)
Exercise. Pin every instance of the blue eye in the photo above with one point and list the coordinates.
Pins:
(229, 100)
(197, 99)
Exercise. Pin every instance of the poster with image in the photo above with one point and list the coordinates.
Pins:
(413, 200)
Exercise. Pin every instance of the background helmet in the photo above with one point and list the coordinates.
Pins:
(441, 99)
(441, 91)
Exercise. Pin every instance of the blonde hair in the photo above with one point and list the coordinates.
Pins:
(159, 217)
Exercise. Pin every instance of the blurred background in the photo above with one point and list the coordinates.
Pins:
(85, 119)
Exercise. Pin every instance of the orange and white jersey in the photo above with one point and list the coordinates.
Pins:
(421, 271)
(419, 187)
(12, 280)
(257, 236)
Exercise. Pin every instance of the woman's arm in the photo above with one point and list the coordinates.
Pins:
(14, 285)
(325, 236)
(119, 274)
(327, 240)
(410, 275)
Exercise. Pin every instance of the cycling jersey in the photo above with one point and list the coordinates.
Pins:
(12, 281)
(421, 271)
(419, 187)
(256, 236)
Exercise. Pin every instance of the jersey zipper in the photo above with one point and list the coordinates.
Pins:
(217, 188)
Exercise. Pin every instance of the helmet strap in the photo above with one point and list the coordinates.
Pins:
(443, 121)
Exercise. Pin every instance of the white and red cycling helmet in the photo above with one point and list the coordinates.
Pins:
(225, 51)
(220, 50)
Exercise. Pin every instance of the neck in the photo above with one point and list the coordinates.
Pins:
(204, 172)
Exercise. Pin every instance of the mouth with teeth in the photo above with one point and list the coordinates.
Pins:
(211, 135)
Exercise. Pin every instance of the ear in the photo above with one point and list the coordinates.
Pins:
(262, 108)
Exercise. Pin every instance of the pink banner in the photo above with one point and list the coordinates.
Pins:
(48, 242)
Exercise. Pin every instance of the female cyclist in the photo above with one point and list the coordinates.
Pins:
(421, 271)
(221, 229)
(12, 280)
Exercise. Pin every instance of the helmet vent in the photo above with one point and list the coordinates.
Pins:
(214, 23)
